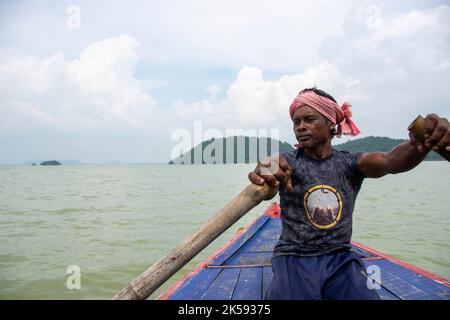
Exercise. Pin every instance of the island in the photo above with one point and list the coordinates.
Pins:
(234, 149)
(50, 163)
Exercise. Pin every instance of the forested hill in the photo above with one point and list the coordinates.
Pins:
(236, 149)
(251, 149)
(371, 144)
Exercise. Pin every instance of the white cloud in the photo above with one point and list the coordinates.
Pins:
(414, 23)
(400, 66)
(213, 91)
(252, 102)
(30, 74)
(275, 35)
(389, 73)
(390, 64)
(98, 91)
(93, 71)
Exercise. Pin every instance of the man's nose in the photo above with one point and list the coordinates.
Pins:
(301, 126)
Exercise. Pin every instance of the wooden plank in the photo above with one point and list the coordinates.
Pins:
(249, 285)
(363, 253)
(195, 288)
(241, 241)
(405, 265)
(435, 289)
(250, 258)
(403, 289)
(267, 237)
(256, 248)
(386, 295)
(223, 286)
(407, 284)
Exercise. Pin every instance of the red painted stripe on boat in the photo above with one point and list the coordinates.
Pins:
(404, 264)
(274, 211)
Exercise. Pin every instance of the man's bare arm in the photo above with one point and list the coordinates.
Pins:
(406, 156)
(402, 158)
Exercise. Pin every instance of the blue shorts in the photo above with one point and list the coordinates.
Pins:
(335, 276)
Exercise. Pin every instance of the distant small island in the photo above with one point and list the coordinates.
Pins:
(50, 163)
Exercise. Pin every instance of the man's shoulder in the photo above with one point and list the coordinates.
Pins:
(350, 158)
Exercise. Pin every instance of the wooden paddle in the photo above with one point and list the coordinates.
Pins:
(152, 278)
(417, 128)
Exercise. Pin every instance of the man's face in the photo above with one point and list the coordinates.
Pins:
(311, 128)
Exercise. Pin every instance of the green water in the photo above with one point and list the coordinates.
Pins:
(114, 221)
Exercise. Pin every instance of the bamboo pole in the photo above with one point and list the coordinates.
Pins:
(152, 278)
(417, 128)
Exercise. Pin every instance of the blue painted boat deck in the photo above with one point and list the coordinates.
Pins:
(242, 271)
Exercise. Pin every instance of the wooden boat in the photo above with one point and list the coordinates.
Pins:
(241, 270)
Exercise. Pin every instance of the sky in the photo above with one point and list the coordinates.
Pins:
(99, 81)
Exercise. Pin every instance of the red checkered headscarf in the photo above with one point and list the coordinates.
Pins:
(329, 109)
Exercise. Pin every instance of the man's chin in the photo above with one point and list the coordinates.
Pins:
(305, 144)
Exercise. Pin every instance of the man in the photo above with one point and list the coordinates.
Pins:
(318, 187)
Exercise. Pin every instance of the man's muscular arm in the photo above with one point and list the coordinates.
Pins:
(402, 158)
(406, 156)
